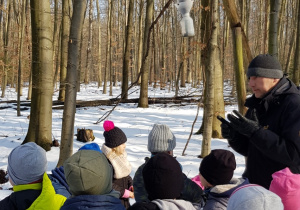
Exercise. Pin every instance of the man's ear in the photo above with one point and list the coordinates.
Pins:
(275, 81)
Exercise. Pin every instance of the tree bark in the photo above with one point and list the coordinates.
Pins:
(126, 59)
(64, 48)
(88, 66)
(40, 124)
(296, 71)
(67, 132)
(6, 42)
(209, 97)
(239, 68)
(273, 26)
(108, 33)
(99, 47)
(143, 101)
(21, 34)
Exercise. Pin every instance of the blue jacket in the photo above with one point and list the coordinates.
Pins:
(59, 182)
(107, 202)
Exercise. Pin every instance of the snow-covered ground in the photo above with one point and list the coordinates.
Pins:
(135, 122)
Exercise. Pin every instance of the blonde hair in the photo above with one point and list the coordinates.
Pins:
(117, 150)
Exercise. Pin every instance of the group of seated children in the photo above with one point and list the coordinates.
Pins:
(95, 178)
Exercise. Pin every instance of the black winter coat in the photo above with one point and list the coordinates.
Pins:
(276, 145)
(20, 200)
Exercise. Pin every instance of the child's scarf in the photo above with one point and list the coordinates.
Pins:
(121, 165)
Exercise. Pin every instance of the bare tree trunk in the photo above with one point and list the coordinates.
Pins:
(40, 124)
(67, 132)
(273, 26)
(99, 46)
(126, 59)
(56, 39)
(89, 47)
(21, 34)
(56, 58)
(111, 73)
(140, 39)
(64, 48)
(267, 5)
(143, 100)
(219, 107)
(107, 46)
(184, 58)
(296, 70)
(239, 68)
(6, 37)
(209, 102)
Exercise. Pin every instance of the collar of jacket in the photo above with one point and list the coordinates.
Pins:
(35, 186)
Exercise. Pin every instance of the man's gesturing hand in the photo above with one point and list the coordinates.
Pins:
(243, 125)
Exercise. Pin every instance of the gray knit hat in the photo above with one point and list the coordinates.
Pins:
(265, 65)
(88, 173)
(27, 163)
(254, 197)
(161, 139)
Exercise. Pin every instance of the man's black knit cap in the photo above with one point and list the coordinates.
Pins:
(265, 65)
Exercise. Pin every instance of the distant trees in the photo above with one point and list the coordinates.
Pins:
(109, 53)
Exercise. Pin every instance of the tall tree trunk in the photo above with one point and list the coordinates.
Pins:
(296, 71)
(108, 33)
(273, 26)
(140, 39)
(56, 39)
(99, 46)
(209, 98)
(126, 59)
(67, 132)
(111, 72)
(21, 34)
(184, 62)
(267, 20)
(239, 68)
(143, 100)
(64, 48)
(40, 124)
(88, 66)
(219, 107)
(6, 42)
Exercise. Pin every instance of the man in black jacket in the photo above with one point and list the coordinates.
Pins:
(269, 134)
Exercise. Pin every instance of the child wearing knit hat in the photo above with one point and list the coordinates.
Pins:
(161, 139)
(254, 197)
(27, 165)
(216, 172)
(114, 150)
(89, 176)
(164, 183)
(286, 185)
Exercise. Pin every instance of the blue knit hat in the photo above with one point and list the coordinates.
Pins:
(27, 163)
(92, 146)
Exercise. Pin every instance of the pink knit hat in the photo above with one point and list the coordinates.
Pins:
(287, 186)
